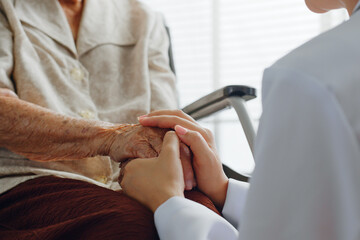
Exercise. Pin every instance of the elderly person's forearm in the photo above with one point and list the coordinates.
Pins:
(43, 135)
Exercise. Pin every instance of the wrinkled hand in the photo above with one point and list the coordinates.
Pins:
(155, 180)
(210, 176)
(136, 141)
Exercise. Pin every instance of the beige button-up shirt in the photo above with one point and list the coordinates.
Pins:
(117, 69)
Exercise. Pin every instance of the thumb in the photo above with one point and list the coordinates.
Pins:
(171, 146)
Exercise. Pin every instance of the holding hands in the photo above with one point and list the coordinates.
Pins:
(136, 141)
(206, 164)
(153, 181)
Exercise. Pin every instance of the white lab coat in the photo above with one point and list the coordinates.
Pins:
(306, 183)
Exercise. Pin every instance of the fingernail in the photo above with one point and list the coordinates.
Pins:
(180, 130)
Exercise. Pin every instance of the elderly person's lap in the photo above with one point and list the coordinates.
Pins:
(58, 208)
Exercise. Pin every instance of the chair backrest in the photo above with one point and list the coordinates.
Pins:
(171, 56)
(171, 59)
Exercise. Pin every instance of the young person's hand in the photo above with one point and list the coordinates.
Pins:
(209, 174)
(155, 180)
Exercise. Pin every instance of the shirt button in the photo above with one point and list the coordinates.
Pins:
(102, 179)
(87, 114)
(77, 74)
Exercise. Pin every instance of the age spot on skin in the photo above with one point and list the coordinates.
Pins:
(85, 130)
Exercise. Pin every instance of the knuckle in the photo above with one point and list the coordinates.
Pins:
(208, 132)
(178, 112)
(197, 135)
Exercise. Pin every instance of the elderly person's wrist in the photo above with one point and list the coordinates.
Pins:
(127, 141)
(110, 137)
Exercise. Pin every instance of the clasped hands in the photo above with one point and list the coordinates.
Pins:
(154, 180)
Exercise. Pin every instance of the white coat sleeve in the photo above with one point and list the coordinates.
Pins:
(305, 183)
(179, 218)
(235, 201)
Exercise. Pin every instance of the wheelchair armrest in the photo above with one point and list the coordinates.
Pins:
(230, 96)
(235, 175)
(227, 97)
(217, 100)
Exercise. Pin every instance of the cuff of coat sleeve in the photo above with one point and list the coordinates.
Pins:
(179, 218)
(166, 211)
(235, 201)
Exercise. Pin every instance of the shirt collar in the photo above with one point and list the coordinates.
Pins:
(48, 17)
(106, 22)
(102, 22)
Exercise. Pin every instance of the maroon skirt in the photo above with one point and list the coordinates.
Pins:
(57, 208)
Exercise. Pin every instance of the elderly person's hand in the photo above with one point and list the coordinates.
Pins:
(136, 141)
(209, 174)
(153, 181)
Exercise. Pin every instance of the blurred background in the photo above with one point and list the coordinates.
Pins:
(224, 42)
